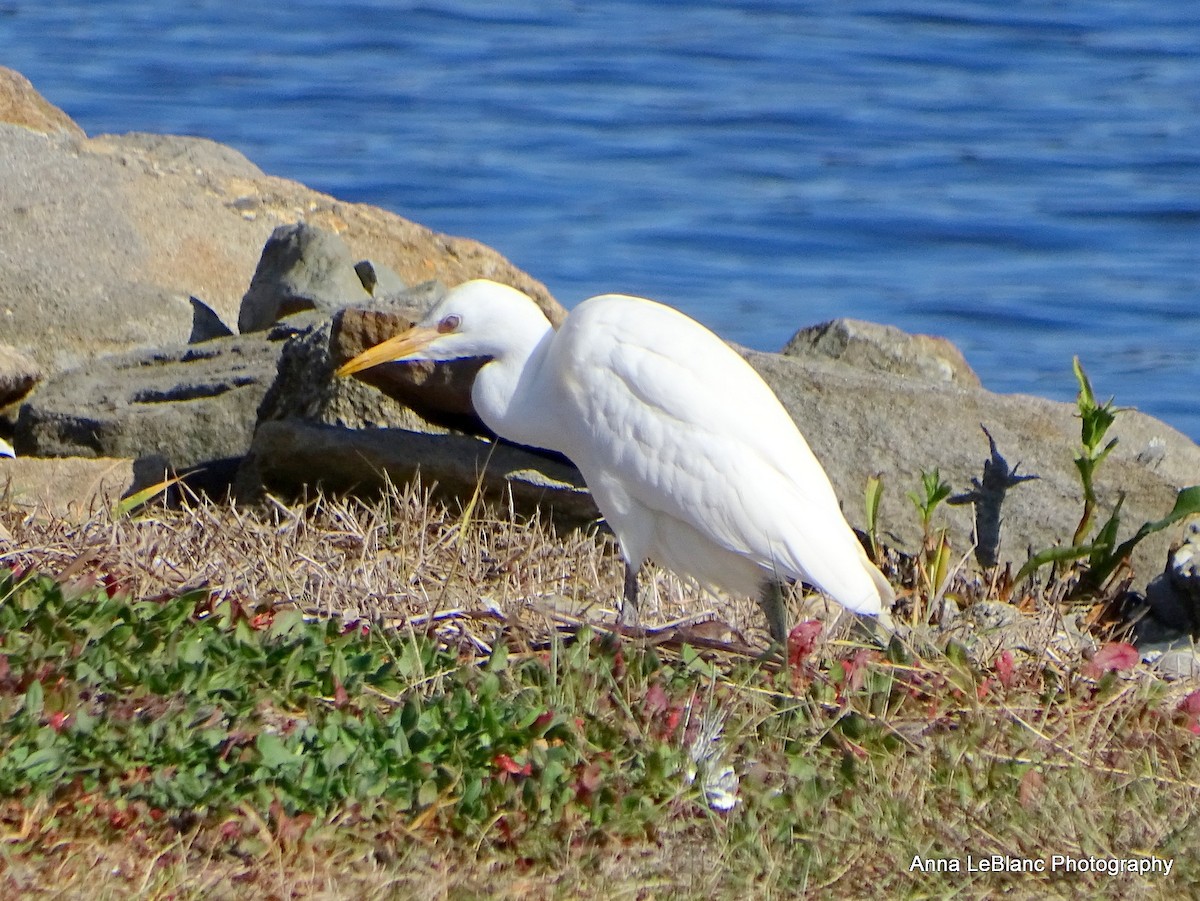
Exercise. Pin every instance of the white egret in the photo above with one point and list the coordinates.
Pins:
(690, 456)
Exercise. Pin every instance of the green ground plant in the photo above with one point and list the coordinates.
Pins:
(186, 710)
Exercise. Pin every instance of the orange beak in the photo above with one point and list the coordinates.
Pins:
(408, 342)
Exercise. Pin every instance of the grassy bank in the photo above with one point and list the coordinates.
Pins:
(348, 700)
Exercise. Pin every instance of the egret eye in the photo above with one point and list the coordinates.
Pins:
(449, 323)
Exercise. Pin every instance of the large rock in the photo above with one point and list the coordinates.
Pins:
(190, 406)
(301, 268)
(290, 454)
(860, 423)
(104, 240)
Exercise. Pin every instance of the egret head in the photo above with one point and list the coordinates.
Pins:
(478, 318)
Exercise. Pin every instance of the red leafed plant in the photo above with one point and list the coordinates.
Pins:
(661, 711)
(506, 764)
(1190, 708)
(1115, 657)
(854, 670)
(802, 641)
(1005, 668)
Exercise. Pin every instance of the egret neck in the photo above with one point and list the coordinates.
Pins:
(512, 394)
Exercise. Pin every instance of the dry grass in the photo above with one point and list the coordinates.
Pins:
(401, 557)
(852, 761)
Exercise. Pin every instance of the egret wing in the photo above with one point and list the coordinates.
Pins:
(693, 432)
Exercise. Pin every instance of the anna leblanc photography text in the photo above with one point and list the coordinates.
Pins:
(1057, 863)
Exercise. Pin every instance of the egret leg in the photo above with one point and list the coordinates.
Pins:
(629, 607)
(775, 607)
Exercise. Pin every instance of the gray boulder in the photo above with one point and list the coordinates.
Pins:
(301, 268)
(191, 406)
(861, 423)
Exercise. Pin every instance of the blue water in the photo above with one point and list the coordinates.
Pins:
(1023, 178)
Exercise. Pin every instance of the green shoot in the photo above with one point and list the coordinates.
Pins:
(1095, 421)
(874, 495)
(126, 506)
(934, 560)
(934, 492)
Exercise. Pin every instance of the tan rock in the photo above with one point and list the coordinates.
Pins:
(21, 104)
(438, 392)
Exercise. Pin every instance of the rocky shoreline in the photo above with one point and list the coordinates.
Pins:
(125, 262)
